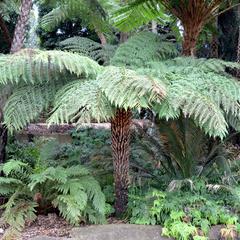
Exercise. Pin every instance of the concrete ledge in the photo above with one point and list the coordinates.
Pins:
(124, 232)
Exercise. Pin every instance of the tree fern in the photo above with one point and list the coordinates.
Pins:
(142, 48)
(87, 47)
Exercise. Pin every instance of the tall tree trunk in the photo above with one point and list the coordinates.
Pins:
(120, 128)
(190, 37)
(20, 29)
(17, 44)
(5, 32)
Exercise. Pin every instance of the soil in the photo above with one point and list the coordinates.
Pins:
(53, 226)
(50, 225)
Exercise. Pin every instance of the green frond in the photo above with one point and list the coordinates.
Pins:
(12, 166)
(36, 66)
(17, 211)
(27, 103)
(135, 14)
(8, 7)
(89, 48)
(94, 192)
(74, 191)
(143, 48)
(81, 102)
(200, 89)
(91, 12)
(126, 89)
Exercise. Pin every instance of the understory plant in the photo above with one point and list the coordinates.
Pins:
(184, 214)
(40, 188)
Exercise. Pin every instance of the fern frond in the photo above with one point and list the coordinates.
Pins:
(36, 66)
(127, 89)
(27, 103)
(12, 166)
(8, 7)
(17, 211)
(200, 89)
(81, 102)
(90, 11)
(138, 13)
(142, 48)
(89, 48)
(94, 192)
(72, 206)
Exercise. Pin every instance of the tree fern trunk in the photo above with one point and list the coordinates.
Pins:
(190, 37)
(120, 128)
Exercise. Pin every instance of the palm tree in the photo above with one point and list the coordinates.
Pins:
(16, 45)
(192, 14)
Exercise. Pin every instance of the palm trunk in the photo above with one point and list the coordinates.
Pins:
(190, 37)
(5, 32)
(120, 128)
(17, 44)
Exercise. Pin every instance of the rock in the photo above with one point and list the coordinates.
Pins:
(118, 232)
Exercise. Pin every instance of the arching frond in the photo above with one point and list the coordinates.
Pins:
(89, 48)
(138, 13)
(27, 103)
(199, 89)
(127, 89)
(81, 102)
(143, 48)
(36, 66)
(90, 11)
